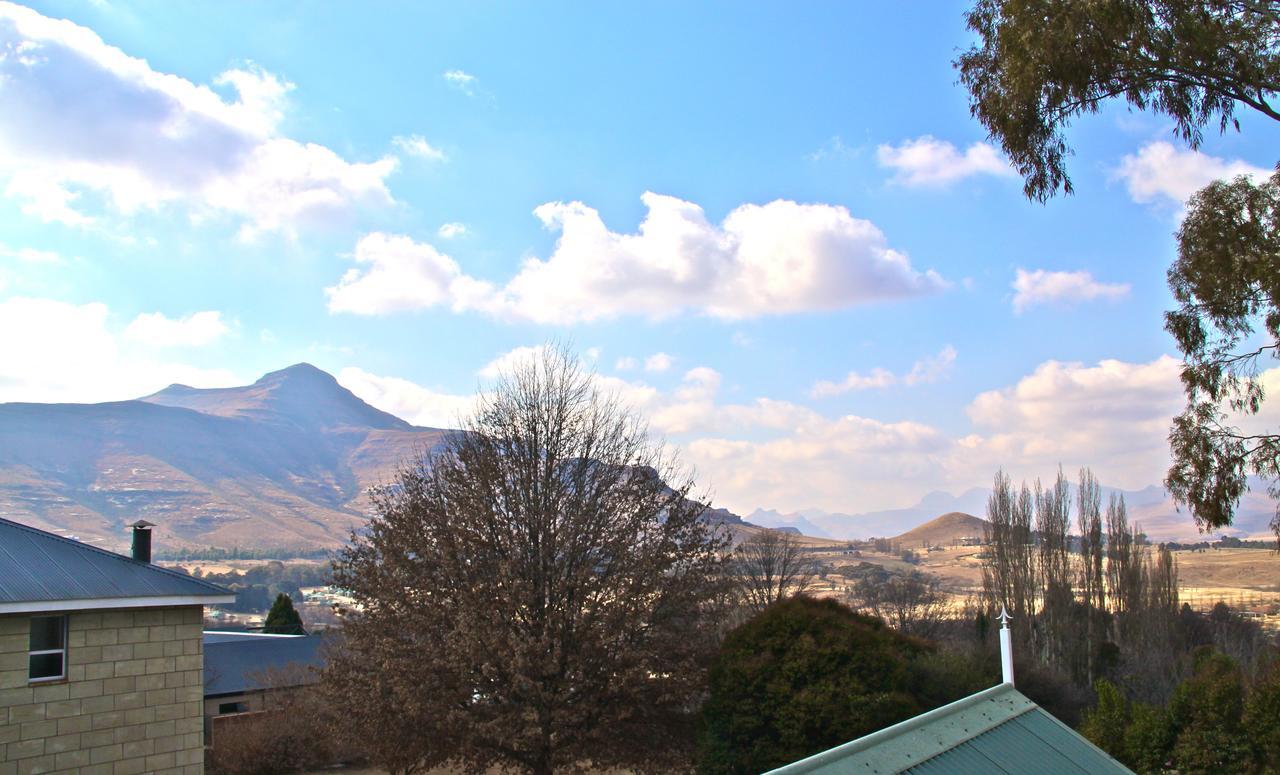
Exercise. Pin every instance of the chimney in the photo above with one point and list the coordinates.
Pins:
(1006, 647)
(142, 540)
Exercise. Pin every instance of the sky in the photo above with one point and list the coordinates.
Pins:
(774, 229)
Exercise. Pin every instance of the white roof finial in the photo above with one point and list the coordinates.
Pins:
(1004, 618)
(1006, 646)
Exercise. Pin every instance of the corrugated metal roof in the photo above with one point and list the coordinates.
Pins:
(233, 665)
(37, 567)
(994, 731)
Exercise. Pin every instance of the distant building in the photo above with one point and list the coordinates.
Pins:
(241, 667)
(101, 657)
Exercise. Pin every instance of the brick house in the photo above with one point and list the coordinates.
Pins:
(101, 658)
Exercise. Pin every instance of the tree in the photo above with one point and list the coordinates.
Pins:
(772, 565)
(913, 602)
(283, 618)
(1039, 64)
(540, 593)
(799, 677)
(1226, 281)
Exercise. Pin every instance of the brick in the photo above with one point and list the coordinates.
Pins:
(160, 697)
(185, 631)
(131, 667)
(98, 670)
(189, 725)
(75, 673)
(170, 744)
(72, 724)
(86, 621)
(14, 625)
(71, 760)
(11, 697)
(160, 729)
(131, 635)
(17, 660)
(83, 689)
(146, 683)
(84, 655)
(161, 632)
(75, 638)
(190, 756)
(192, 647)
(130, 767)
(142, 715)
(151, 616)
(24, 749)
(105, 753)
(128, 734)
(160, 761)
(61, 743)
(103, 704)
(117, 653)
(38, 729)
(171, 711)
(118, 685)
(18, 643)
(9, 733)
(62, 709)
(149, 650)
(105, 768)
(36, 766)
(130, 700)
(138, 749)
(49, 692)
(109, 719)
(117, 619)
(21, 713)
(104, 637)
(98, 738)
(172, 648)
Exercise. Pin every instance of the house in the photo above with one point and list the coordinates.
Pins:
(101, 657)
(241, 667)
(997, 730)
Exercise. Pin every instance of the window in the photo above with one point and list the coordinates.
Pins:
(232, 707)
(48, 654)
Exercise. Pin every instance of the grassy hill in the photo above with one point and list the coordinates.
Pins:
(943, 530)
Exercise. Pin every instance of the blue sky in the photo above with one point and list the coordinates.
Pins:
(775, 230)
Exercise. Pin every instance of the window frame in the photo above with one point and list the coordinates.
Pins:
(63, 621)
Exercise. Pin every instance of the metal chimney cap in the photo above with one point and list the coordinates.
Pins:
(142, 524)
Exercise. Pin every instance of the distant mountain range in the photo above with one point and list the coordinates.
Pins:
(1149, 507)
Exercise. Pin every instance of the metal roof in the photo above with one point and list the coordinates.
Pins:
(994, 731)
(41, 571)
(238, 663)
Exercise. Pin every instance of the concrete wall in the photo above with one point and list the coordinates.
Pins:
(131, 701)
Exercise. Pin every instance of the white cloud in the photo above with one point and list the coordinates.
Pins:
(1042, 286)
(504, 363)
(625, 363)
(929, 162)
(658, 362)
(772, 259)
(417, 145)
(462, 81)
(70, 353)
(1161, 171)
(407, 400)
(403, 275)
(925, 370)
(31, 255)
(85, 122)
(195, 330)
(451, 230)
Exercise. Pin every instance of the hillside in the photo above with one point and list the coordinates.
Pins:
(943, 530)
(284, 463)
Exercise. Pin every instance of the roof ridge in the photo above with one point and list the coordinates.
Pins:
(116, 555)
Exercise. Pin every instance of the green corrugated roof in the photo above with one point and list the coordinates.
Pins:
(994, 731)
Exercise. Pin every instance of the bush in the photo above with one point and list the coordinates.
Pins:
(802, 676)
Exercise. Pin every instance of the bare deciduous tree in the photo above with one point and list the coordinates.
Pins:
(540, 593)
(912, 602)
(771, 566)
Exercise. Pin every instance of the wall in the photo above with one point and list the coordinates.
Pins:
(131, 702)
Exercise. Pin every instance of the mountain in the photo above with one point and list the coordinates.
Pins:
(796, 522)
(942, 530)
(282, 463)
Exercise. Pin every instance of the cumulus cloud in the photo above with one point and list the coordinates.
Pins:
(84, 122)
(451, 230)
(417, 145)
(929, 162)
(515, 357)
(778, 258)
(658, 362)
(71, 353)
(406, 399)
(31, 255)
(1042, 286)
(194, 330)
(625, 363)
(1162, 172)
(923, 371)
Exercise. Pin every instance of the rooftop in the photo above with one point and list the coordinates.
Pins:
(235, 663)
(996, 731)
(40, 571)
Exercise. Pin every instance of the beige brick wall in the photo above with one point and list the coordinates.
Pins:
(131, 702)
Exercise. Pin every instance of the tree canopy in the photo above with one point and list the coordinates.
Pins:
(283, 618)
(1039, 64)
(538, 593)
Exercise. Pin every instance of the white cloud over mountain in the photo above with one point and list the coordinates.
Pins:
(84, 121)
(1162, 172)
(52, 346)
(929, 162)
(777, 258)
(1042, 286)
(194, 330)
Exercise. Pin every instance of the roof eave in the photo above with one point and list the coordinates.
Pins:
(112, 603)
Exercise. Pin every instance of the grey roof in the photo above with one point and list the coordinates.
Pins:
(238, 663)
(41, 568)
(994, 731)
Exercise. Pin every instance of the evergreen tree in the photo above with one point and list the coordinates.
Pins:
(283, 619)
